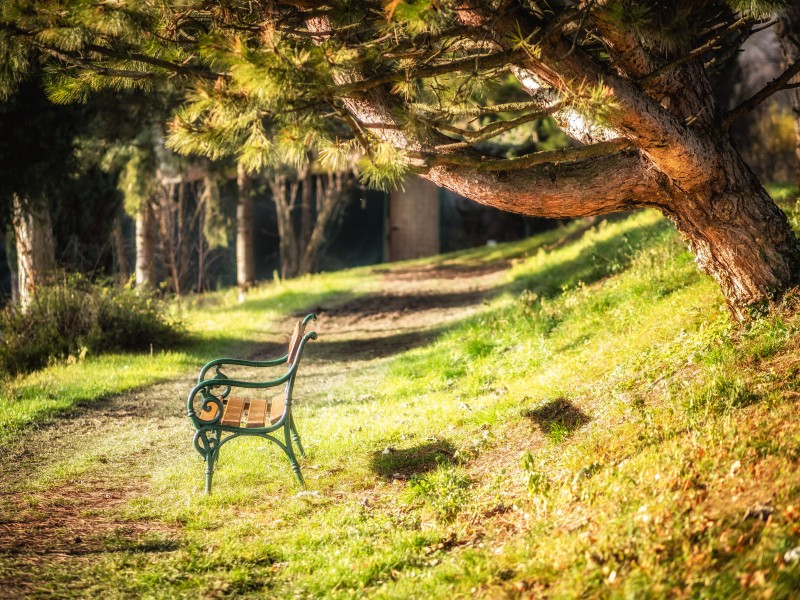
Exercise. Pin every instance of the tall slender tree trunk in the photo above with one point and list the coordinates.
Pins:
(245, 262)
(306, 224)
(145, 246)
(284, 194)
(330, 200)
(35, 248)
(118, 240)
(788, 32)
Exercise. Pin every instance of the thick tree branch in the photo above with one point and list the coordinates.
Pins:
(471, 63)
(574, 124)
(599, 185)
(486, 164)
(677, 150)
(595, 182)
(776, 85)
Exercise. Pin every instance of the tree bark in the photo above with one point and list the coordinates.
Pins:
(330, 200)
(35, 248)
(788, 32)
(145, 245)
(123, 267)
(284, 194)
(245, 263)
(305, 213)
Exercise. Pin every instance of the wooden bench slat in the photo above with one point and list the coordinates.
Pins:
(276, 408)
(257, 414)
(233, 412)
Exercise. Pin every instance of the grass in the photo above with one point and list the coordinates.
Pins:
(594, 427)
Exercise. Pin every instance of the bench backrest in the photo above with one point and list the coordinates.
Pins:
(294, 343)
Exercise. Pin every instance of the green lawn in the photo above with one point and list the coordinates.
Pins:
(593, 425)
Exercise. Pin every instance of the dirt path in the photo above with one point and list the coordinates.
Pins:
(65, 484)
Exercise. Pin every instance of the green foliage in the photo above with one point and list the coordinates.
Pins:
(419, 16)
(76, 317)
(536, 481)
(137, 180)
(444, 490)
(14, 64)
(385, 168)
(759, 8)
(722, 395)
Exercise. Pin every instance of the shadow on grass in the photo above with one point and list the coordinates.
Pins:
(558, 416)
(390, 462)
(345, 350)
(381, 305)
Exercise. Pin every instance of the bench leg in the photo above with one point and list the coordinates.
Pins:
(211, 457)
(292, 458)
(207, 442)
(296, 439)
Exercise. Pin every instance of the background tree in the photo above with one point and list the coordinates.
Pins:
(49, 178)
(320, 197)
(402, 82)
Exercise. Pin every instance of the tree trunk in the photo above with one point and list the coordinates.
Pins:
(168, 214)
(245, 263)
(35, 248)
(305, 214)
(284, 195)
(788, 32)
(123, 267)
(738, 234)
(330, 201)
(145, 243)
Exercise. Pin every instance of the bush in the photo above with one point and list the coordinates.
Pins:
(76, 316)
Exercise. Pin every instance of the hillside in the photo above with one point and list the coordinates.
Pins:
(570, 415)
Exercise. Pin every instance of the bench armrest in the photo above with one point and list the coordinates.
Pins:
(218, 362)
(204, 386)
(209, 399)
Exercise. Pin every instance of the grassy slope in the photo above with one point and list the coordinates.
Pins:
(599, 428)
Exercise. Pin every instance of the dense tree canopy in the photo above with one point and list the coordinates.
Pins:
(439, 87)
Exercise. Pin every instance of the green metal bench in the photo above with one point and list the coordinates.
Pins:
(219, 417)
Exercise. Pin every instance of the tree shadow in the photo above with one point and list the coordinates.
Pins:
(403, 463)
(558, 415)
(376, 346)
(383, 304)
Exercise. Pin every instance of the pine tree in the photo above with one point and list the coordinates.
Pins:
(428, 86)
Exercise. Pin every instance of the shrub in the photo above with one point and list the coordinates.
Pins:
(77, 316)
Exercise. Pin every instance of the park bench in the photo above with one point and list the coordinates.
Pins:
(220, 417)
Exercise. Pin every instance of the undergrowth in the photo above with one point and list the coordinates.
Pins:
(75, 316)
